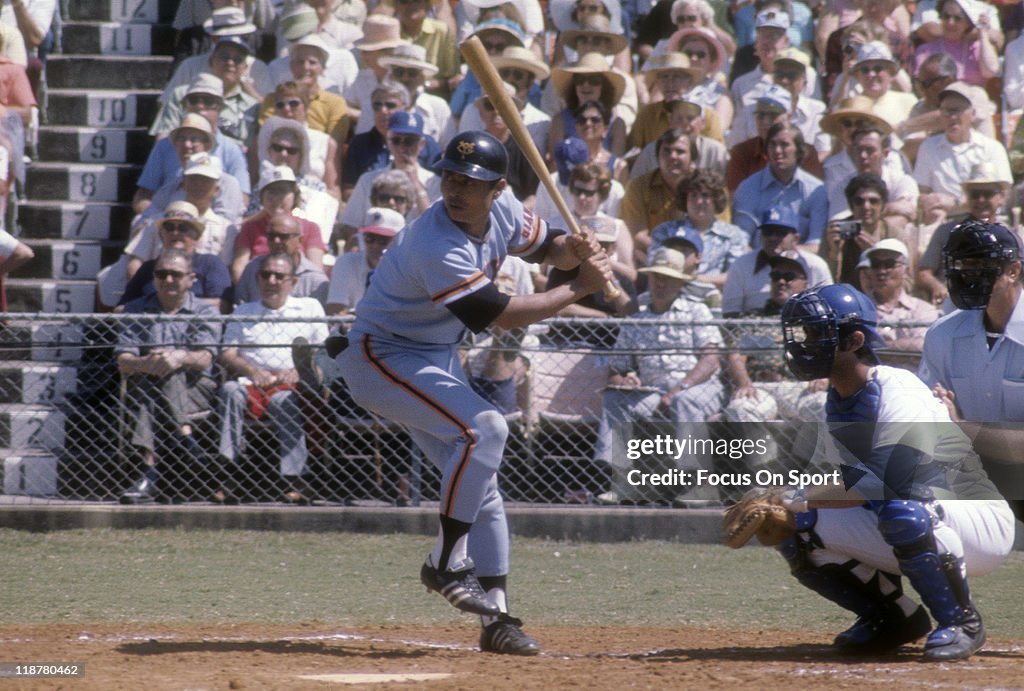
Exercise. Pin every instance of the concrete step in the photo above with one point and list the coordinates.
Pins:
(94, 144)
(30, 295)
(75, 260)
(81, 182)
(56, 220)
(31, 427)
(36, 383)
(67, 71)
(142, 11)
(116, 108)
(47, 342)
(29, 472)
(118, 38)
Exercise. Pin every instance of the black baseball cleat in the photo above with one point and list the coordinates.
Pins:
(956, 642)
(869, 636)
(459, 587)
(506, 637)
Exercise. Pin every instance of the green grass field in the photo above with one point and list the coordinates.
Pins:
(165, 576)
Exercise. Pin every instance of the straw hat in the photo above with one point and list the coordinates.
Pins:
(380, 32)
(676, 40)
(524, 59)
(591, 63)
(410, 55)
(596, 25)
(856, 107)
(984, 174)
(665, 61)
(510, 90)
(561, 14)
(183, 211)
(228, 21)
(195, 121)
(667, 262)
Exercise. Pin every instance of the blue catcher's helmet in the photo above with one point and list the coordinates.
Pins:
(974, 257)
(816, 320)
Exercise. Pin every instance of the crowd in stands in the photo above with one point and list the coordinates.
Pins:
(726, 154)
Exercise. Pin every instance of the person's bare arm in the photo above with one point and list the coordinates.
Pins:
(22, 253)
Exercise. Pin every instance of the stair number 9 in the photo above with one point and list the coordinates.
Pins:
(98, 144)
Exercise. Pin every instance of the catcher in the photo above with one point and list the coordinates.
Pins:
(914, 502)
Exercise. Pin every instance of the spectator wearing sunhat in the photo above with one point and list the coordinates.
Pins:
(205, 97)
(707, 55)
(435, 36)
(874, 72)
(469, 13)
(327, 112)
(496, 35)
(521, 176)
(405, 143)
(353, 270)
(670, 76)
(229, 201)
(840, 49)
(202, 185)
(227, 25)
(181, 227)
(279, 194)
(967, 38)
(194, 16)
(590, 79)
(408, 65)
(945, 160)
(519, 67)
(381, 35)
(340, 69)
(987, 194)
(748, 284)
(337, 34)
(687, 113)
(771, 39)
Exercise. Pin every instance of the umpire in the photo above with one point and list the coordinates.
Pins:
(436, 281)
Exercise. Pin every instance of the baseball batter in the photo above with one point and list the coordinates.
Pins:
(435, 281)
(916, 502)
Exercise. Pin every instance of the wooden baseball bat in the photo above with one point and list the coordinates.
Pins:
(478, 60)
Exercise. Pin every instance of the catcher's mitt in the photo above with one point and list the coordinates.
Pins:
(759, 512)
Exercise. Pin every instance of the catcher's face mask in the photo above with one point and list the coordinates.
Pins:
(811, 336)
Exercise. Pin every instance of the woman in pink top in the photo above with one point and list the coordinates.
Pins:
(964, 38)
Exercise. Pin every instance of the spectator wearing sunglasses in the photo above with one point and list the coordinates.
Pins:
(408, 65)
(521, 176)
(319, 151)
(589, 79)
(284, 236)
(381, 35)
(965, 36)
(205, 97)
(405, 145)
(180, 229)
(369, 151)
(353, 270)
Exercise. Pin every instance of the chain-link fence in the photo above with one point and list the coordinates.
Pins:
(109, 407)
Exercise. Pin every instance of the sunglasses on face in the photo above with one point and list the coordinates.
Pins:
(278, 276)
(956, 18)
(512, 74)
(954, 112)
(589, 80)
(285, 149)
(494, 47)
(982, 194)
(590, 120)
(580, 192)
(406, 72)
(687, 18)
(205, 102)
(385, 198)
(789, 75)
(172, 227)
(851, 124)
(871, 69)
(229, 56)
(385, 105)
(881, 264)
(928, 83)
(786, 276)
(371, 239)
(404, 140)
(164, 274)
(281, 237)
(288, 103)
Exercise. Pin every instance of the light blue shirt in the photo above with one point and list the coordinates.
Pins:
(163, 164)
(724, 243)
(804, 197)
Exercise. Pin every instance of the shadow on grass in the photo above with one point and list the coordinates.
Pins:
(274, 647)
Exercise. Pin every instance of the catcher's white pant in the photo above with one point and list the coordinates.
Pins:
(424, 388)
(978, 531)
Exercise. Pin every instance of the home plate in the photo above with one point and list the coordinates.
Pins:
(376, 678)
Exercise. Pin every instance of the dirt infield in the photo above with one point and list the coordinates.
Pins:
(316, 656)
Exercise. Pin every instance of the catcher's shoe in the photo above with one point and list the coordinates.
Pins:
(506, 636)
(460, 587)
(881, 635)
(956, 642)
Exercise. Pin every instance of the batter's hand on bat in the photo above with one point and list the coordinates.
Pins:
(595, 271)
(584, 245)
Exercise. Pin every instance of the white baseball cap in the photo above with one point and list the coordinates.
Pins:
(269, 174)
(382, 221)
(891, 245)
(202, 163)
